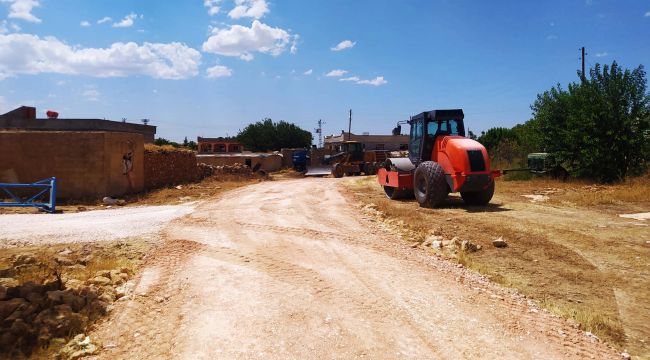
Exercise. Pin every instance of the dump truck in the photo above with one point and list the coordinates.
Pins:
(351, 160)
(300, 159)
(440, 160)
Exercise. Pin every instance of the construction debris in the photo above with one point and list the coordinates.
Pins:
(107, 200)
(500, 242)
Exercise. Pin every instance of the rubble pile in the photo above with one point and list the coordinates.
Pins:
(37, 315)
(234, 169)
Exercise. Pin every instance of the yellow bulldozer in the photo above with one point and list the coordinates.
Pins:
(351, 160)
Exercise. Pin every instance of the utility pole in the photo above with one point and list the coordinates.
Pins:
(319, 131)
(350, 126)
(583, 63)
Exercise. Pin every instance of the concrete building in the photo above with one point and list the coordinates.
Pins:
(91, 158)
(24, 118)
(218, 145)
(370, 142)
(86, 164)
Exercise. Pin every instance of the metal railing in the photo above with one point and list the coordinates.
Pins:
(40, 188)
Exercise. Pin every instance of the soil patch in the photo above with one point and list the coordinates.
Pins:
(572, 253)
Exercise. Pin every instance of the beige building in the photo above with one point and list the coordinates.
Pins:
(370, 142)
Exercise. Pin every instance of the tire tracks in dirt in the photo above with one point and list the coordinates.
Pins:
(289, 270)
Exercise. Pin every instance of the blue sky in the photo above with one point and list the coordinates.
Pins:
(209, 67)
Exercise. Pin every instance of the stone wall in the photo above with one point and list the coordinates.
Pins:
(164, 167)
(266, 162)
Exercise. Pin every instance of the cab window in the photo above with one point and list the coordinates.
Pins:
(416, 136)
(443, 127)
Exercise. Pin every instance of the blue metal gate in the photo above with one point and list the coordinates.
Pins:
(40, 188)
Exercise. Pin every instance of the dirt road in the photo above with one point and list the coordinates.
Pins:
(287, 269)
(119, 223)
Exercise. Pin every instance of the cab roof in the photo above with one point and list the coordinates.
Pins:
(439, 115)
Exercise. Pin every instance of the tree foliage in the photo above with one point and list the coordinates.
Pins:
(598, 127)
(186, 144)
(267, 135)
(163, 141)
(494, 136)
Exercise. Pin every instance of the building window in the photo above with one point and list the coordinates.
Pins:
(403, 146)
(234, 148)
(220, 148)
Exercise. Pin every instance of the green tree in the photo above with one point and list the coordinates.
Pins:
(598, 127)
(267, 135)
(494, 136)
(163, 141)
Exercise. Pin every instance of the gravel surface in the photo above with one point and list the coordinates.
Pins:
(97, 225)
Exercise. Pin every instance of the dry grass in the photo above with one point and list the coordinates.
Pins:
(126, 253)
(631, 191)
(584, 193)
(591, 319)
(205, 189)
(554, 254)
(156, 148)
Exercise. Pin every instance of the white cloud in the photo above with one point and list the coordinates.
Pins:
(294, 45)
(218, 71)
(249, 8)
(647, 14)
(213, 6)
(30, 54)
(91, 95)
(378, 81)
(247, 57)
(22, 9)
(127, 21)
(551, 37)
(308, 72)
(336, 73)
(104, 20)
(602, 54)
(345, 44)
(5, 29)
(243, 41)
(84, 23)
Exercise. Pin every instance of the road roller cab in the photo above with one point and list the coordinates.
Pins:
(441, 160)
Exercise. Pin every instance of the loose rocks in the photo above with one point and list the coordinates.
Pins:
(500, 242)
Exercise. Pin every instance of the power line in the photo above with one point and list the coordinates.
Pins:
(583, 76)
